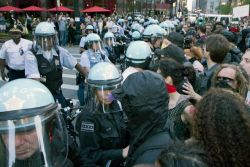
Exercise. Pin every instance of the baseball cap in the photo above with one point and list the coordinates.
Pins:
(172, 51)
(15, 29)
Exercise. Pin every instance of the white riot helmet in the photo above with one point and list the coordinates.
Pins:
(121, 22)
(94, 42)
(89, 29)
(136, 36)
(152, 32)
(32, 131)
(166, 26)
(109, 39)
(141, 21)
(138, 54)
(102, 79)
(137, 27)
(45, 36)
(115, 29)
(153, 21)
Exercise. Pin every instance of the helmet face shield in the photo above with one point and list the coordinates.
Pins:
(103, 78)
(109, 41)
(100, 98)
(35, 140)
(46, 43)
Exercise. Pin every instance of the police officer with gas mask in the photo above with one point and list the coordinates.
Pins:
(102, 123)
(50, 60)
(32, 132)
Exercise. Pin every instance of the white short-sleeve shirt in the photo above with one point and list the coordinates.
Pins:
(14, 53)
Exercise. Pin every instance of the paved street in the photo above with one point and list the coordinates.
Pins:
(69, 86)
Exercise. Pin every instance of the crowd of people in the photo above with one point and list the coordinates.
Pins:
(153, 91)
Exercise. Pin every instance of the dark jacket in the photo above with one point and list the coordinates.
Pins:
(145, 101)
(233, 56)
(102, 136)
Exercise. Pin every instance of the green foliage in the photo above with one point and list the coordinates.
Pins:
(246, 2)
(224, 9)
(5, 2)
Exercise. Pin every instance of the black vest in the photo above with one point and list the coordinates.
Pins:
(51, 72)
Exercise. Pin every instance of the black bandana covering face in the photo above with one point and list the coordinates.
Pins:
(225, 85)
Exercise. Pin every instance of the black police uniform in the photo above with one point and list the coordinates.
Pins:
(102, 136)
(51, 75)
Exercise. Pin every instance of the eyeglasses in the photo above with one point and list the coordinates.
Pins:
(226, 79)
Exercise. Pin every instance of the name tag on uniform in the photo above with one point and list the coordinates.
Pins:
(56, 62)
(87, 127)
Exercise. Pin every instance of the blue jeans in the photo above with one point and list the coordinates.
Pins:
(62, 38)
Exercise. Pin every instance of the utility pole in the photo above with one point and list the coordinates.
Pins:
(77, 22)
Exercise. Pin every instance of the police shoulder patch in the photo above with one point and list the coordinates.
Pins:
(87, 127)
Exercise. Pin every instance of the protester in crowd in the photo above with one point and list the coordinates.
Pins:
(144, 99)
(242, 40)
(202, 36)
(245, 63)
(208, 29)
(193, 53)
(181, 155)
(62, 23)
(225, 140)
(234, 55)
(71, 32)
(2, 23)
(230, 76)
(217, 46)
(175, 76)
(176, 39)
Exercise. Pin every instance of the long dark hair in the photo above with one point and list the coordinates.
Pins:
(222, 127)
(178, 72)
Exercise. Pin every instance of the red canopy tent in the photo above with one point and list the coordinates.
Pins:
(60, 9)
(95, 9)
(34, 9)
(9, 8)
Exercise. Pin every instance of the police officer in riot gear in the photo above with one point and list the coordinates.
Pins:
(110, 47)
(51, 59)
(32, 132)
(102, 123)
(153, 35)
(89, 29)
(138, 57)
(136, 36)
(89, 58)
